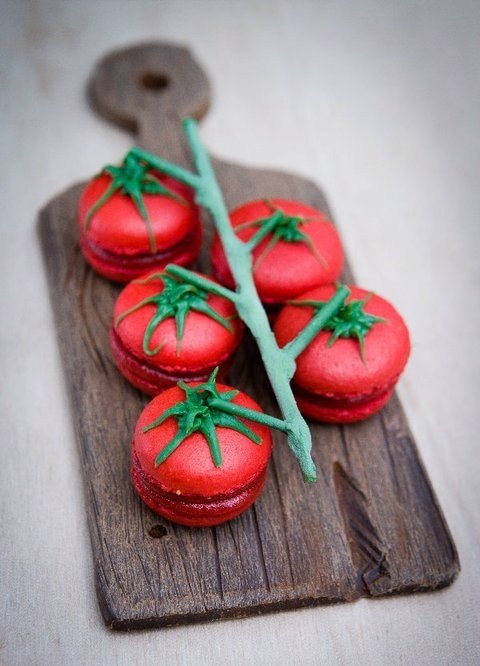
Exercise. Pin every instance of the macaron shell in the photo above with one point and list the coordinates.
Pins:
(118, 227)
(289, 268)
(204, 343)
(339, 369)
(189, 470)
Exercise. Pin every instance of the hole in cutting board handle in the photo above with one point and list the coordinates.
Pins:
(154, 81)
(157, 531)
(137, 86)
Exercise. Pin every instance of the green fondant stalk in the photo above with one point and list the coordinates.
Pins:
(280, 366)
(199, 281)
(166, 167)
(279, 363)
(319, 321)
(244, 412)
(264, 230)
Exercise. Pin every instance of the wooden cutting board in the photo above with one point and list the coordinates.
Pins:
(370, 526)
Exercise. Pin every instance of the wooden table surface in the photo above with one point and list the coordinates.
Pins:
(378, 102)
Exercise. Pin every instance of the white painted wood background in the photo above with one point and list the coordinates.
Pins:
(379, 101)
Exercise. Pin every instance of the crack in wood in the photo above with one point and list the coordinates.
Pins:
(369, 554)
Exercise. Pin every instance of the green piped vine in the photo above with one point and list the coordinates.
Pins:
(203, 410)
(133, 179)
(350, 320)
(280, 227)
(176, 300)
(279, 362)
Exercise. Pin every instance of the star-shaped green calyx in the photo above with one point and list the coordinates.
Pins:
(202, 411)
(176, 300)
(280, 227)
(133, 179)
(350, 321)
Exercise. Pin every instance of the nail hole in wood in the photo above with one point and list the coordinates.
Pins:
(154, 81)
(157, 531)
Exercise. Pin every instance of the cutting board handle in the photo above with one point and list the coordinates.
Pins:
(148, 89)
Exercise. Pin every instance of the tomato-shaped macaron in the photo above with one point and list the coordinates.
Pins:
(350, 369)
(294, 248)
(199, 456)
(132, 220)
(165, 329)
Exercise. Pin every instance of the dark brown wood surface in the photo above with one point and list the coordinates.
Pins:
(371, 526)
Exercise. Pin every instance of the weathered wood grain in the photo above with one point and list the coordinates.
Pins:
(371, 526)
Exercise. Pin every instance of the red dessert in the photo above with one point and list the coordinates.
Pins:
(133, 220)
(165, 330)
(194, 463)
(298, 248)
(350, 369)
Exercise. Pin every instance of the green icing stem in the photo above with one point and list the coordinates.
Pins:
(164, 166)
(305, 337)
(279, 363)
(109, 192)
(199, 281)
(264, 230)
(250, 414)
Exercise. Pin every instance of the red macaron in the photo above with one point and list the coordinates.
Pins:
(298, 249)
(187, 467)
(165, 330)
(132, 220)
(349, 371)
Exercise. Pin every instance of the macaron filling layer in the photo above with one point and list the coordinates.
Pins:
(342, 408)
(192, 509)
(186, 249)
(343, 400)
(152, 379)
